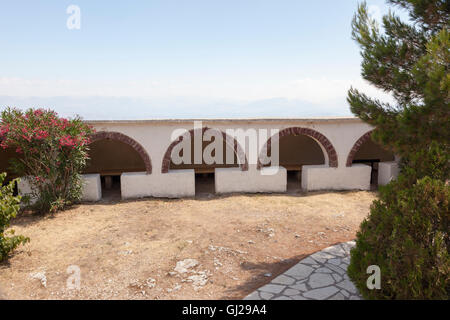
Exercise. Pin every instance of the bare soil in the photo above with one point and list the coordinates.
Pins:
(129, 249)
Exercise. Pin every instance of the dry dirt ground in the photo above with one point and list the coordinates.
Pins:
(129, 249)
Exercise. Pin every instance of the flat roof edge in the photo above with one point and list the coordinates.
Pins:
(311, 119)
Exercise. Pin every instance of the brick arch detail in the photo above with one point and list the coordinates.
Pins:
(297, 131)
(364, 138)
(242, 159)
(102, 135)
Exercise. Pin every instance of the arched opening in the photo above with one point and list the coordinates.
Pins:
(367, 152)
(299, 147)
(110, 155)
(204, 171)
(295, 152)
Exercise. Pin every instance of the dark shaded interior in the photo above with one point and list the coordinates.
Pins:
(371, 154)
(294, 153)
(110, 158)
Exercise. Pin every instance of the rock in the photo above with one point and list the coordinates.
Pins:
(323, 270)
(265, 295)
(198, 280)
(151, 283)
(177, 287)
(348, 285)
(318, 280)
(184, 265)
(217, 263)
(321, 256)
(298, 298)
(336, 250)
(283, 298)
(345, 293)
(291, 292)
(336, 277)
(299, 271)
(335, 268)
(272, 288)
(282, 279)
(268, 275)
(321, 293)
(347, 246)
(344, 266)
(224, 249)
(338, 296)
(41, 277)
(335, 261)
(253, 296)
(299, 286)
(308, 260)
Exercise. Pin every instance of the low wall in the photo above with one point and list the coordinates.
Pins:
(387, 171)
(174, 184)
(271, 179)
(322, 177)
(92, 187)
(24, 189)
(181, 183)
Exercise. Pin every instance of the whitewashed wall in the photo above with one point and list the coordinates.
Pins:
(387, 171)
(272, 179)
(155, 138)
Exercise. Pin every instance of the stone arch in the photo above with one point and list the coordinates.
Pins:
(365, 137)
(101, 135)
(296, 131)
(242, 159)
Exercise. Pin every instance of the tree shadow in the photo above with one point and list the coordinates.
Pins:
(28, 218)
(259, 276)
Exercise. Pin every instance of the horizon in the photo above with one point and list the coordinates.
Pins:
(166, 59)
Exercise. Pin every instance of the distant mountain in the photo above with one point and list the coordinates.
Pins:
(127, 108)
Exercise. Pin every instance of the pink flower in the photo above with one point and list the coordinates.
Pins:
(38, 112)
(41, 134)
(67, 141)
(4, 130)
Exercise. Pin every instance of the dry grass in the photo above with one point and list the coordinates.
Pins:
(119, 246)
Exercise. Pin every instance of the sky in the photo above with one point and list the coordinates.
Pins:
(181, 58)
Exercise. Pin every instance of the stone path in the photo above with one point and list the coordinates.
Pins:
(321, 276)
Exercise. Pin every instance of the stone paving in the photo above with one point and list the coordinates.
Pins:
(320, 276)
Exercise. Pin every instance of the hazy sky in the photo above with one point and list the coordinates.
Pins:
(181, 59)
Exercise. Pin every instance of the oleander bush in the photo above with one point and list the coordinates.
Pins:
(53, 151)
(406, 235)
(9, 206)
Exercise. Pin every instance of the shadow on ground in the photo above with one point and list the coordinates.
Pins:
(260, 276)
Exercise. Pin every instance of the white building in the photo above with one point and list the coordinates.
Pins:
(317, 154)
